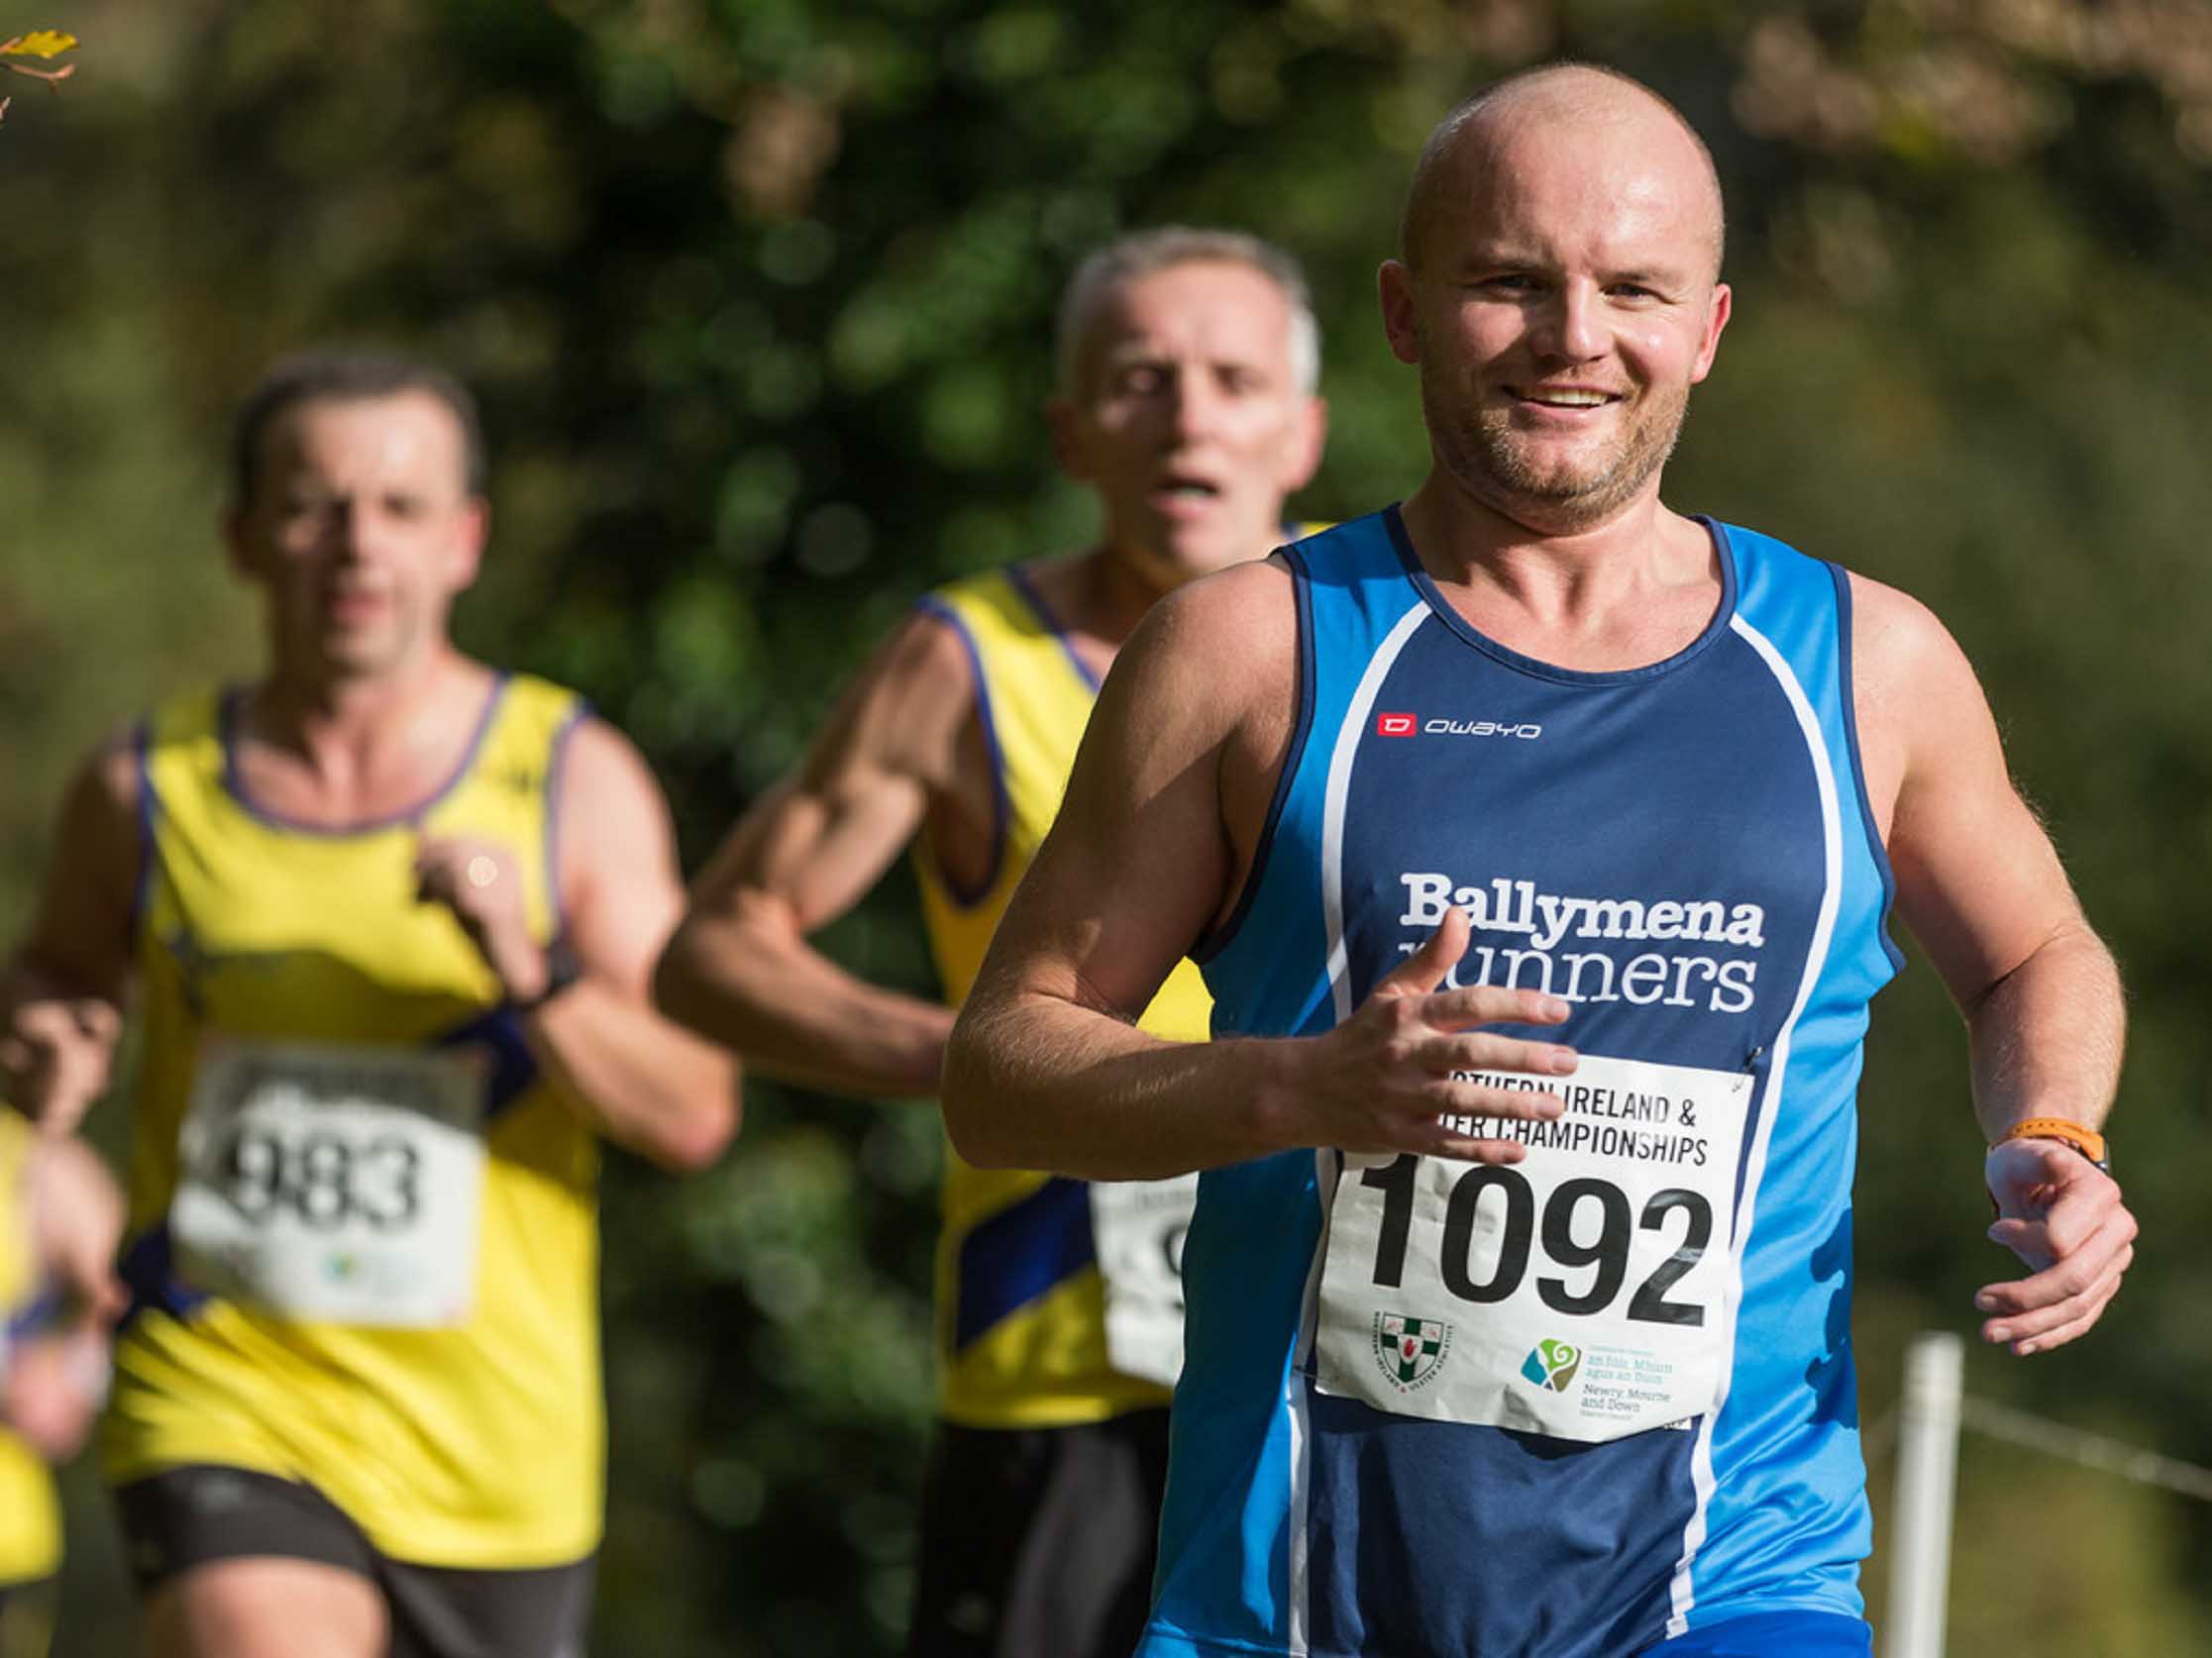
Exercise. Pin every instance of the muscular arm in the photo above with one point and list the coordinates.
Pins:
(1981, 888)
(62, 1004)
(643, 1082)
(1980, 884)
(740, 969)
(1046, 1068)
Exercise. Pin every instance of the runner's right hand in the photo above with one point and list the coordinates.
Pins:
(55, 1058)
(1381, 1081)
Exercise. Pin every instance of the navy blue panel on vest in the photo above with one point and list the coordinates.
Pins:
(148, 1272)
(514, 1066)
(42, 1309)
(1588, 808)
(1538, 1537)
(1019, 1253)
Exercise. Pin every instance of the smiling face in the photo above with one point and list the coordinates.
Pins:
(360, 530)
(1561, 299)
(1189, 419)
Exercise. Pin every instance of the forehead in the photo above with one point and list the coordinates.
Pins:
(1213, 310)
(410, 433)
(1617, 190)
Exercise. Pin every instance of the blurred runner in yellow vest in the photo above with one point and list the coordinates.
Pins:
(390, 915)
(59, 1217)
(1188, 366)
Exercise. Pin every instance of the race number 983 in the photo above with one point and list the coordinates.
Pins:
(321, 1177)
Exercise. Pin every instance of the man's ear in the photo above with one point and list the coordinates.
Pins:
(1303, 457)
(1394, 286)
(229, 524)
(1722, 306)
(1065, 422)
(469, 541)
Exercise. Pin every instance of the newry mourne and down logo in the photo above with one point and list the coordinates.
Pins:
(1552, 1364)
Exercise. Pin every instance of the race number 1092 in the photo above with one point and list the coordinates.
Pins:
(1561, 1232)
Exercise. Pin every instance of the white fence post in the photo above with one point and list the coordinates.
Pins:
(1920, 1525)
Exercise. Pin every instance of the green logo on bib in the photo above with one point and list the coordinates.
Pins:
(1552, 1364)
(1411, 1350)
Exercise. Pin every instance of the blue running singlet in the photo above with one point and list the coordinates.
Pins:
(1576, 1406)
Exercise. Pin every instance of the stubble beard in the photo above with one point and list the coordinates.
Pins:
(340, 657)
(1501, 466)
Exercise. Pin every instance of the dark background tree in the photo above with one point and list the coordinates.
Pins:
(758, 293)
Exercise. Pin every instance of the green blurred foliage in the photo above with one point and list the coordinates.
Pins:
(758, 294)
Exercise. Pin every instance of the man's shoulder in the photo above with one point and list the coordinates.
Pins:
(989, 625)
(1022, 606)
(184, 728)
(1894, 637)
(545, 708)
(193, 713)
(1890, 617)
(1370, 538)
(1227, 634)
(1756, 552)
(1898, 644)
(931, 651)
(999, 587)
(915, 689)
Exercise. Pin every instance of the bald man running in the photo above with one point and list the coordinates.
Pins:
(1540, 841)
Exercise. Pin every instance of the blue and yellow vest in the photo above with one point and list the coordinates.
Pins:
(29, 1518)
(475, 1445)
(1020, 1305)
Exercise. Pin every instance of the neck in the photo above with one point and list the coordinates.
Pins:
(1117, 589)
(1557, 575)
(339, 723)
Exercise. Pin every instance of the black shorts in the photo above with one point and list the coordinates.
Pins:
(197, 1515)
(1039, 1541)
(26, 1617)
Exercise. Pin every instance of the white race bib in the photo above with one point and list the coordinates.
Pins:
(343, 1184)
(1576, 1293)
(1138, 1227)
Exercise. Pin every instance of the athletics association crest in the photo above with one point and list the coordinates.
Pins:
(1411, 1350)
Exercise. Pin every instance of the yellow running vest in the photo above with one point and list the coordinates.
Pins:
(363, 1241)
(1020, 1304)
(30, 1517)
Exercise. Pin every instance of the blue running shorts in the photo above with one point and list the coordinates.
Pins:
(1790, 1634)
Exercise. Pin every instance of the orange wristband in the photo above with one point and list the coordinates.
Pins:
(2087, 1141)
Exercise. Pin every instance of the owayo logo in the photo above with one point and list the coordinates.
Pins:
(1552, 1364)
(1412, 725)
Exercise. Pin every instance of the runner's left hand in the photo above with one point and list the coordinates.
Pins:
(54, 1386)
(2063, 1216)
(478, 881)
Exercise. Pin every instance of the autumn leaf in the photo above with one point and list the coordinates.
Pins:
(47, 44)
(39, 43)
